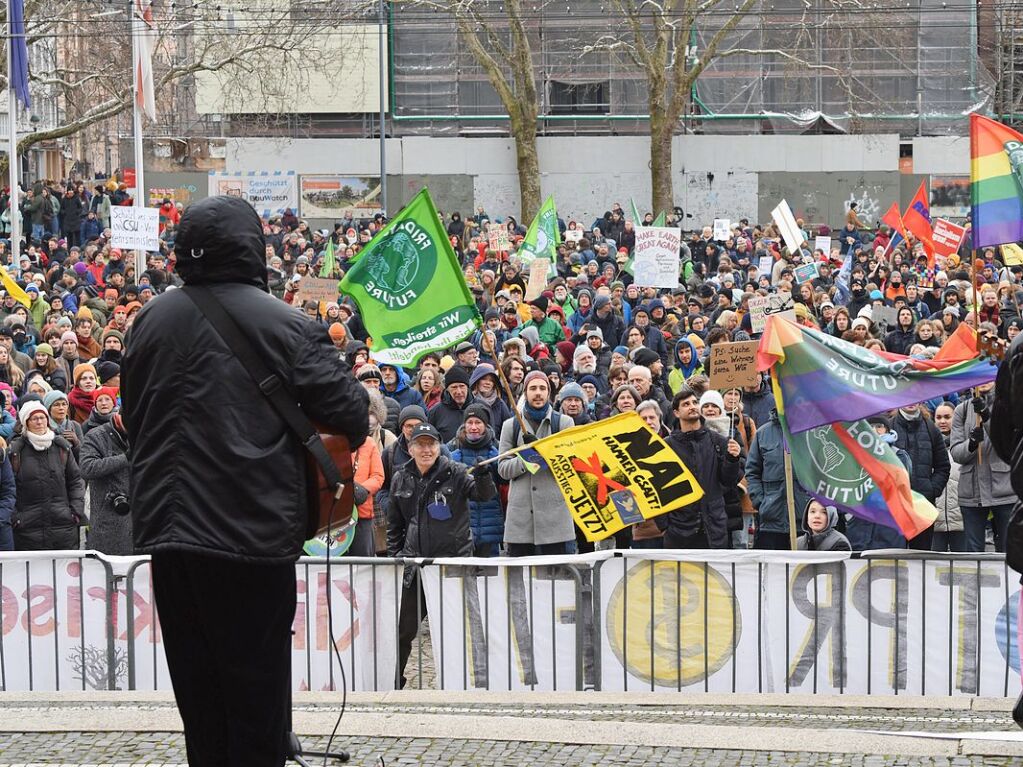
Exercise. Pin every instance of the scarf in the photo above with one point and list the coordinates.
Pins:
(910, 416)
(82, 402)
(534, 414)
(40, 442)
(489, 399)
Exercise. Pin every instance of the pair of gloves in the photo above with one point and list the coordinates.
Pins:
(977, 433)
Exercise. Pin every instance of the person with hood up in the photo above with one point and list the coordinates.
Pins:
(819, 533)
(475, 442)
(583, 312)
(396, 385)
(604, 317)
(50, 505)
(486, 391)
(548, 329)
(107, 471)
(205, 446)
(448, 415)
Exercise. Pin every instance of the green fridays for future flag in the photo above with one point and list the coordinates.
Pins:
(543, 236)
(410, 292)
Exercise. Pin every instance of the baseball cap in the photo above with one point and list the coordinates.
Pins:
(425, 430)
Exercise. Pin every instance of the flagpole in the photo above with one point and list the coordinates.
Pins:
(12, 145)
(140, 185)
(790, 496)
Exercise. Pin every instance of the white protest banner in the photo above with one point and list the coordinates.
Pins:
(780, 303)
(787, 226)
(823, 244)
(573, 235)
(766, 265)
(269, 193)
(657, 256)
(722, 229)
(805, 272)
(757, 307)
(135, 228)
(947, 237)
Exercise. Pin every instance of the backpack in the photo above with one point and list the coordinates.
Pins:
(517, 428)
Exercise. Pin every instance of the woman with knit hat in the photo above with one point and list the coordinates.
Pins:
(53, 372)
(50, 505)
(103, 411)
(83, 394)
(59, 408)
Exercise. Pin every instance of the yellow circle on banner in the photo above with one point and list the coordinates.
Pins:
(669, 614)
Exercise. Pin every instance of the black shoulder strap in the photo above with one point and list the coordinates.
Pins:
(268, 382)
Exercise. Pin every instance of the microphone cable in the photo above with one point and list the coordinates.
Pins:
(330, 630)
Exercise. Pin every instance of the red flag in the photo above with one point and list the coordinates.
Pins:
(894, 220)
(918, 221)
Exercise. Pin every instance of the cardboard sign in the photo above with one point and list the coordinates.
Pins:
(135, 228)
(947, 237)
(316, 289)
(766, 265)
(823, 244)
(722, 229)
(1012, 255)
(657, 256)
(733, 365)
(498, 238)
(538, 269)
(805, 273)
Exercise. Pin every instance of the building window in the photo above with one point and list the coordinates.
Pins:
(580, 98)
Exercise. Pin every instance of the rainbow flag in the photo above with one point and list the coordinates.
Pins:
(826, 380)
(996, 175)
(847, 466)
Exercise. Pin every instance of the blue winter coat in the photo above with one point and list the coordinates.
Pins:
(404, 394)
(486, 518)
(8, 496)
(765, 479)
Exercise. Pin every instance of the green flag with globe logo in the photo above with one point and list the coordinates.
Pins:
(409, 288)
(543, 237)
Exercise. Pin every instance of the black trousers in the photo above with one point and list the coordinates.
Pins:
(227, 634)
(696, 540)
(410, 617)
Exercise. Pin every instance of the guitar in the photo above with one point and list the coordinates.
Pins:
(324, 510)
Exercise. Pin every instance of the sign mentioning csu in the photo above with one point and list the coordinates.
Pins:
(135, 228)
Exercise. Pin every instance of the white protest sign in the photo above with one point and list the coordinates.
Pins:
(766, 265)
(135, 228)
(757, 313)
(823, 244)
(657, 256)
(787, 226)
(722, 229)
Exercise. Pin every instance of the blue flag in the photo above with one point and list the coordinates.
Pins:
(19, 52)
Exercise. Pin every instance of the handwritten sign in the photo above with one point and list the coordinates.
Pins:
(823, 244)
(805, 273)
(766, 265)
(947, 237)
(317, 289)
(135, 228)
(657, 256)
(762, 307)
(757, 307)
(497, 238)
(733, 365)
(722, 229)
(538, 269)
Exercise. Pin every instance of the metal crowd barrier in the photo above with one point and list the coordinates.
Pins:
(892, 622)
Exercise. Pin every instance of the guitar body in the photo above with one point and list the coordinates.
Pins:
(320, 496)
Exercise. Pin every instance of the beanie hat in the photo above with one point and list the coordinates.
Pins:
(540, 303)
(80, 267)
(82, 370)
(336, 331)
(601, 301)
(571, 389)
(477, 410)
(580, 351)
(369, 370)
(45, 349)
(457, 374)
(30, 407)
(110, 293)
(567, 349)
(645, 357)
(105, 370)
(106, 391)
(411, 411)
(711, 397)
(536, 375)
(53, 396)
(492, 314)
(68, 336)
(113, 333)
(622, 350)
(85, 313)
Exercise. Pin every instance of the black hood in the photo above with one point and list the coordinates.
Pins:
(220, 239)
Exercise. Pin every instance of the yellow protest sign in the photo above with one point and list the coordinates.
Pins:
(1012, 254)
(615, 473)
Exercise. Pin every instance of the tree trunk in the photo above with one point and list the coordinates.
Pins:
(662, 130)
(528, 164)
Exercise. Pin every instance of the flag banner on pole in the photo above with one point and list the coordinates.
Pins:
(917, 219)
(846, 465)
(329, 259)
(614, 473)
(409, 288)
(543, 237)
(661, 219)
(637, 219)
(19, 53)
(893, 218)
(996, 182)
(13, 289)
(144, 30)
(825, 380)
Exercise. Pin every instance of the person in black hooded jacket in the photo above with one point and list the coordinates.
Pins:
(218, 481)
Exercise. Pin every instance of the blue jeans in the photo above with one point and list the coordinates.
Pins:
(38, 232)
(6, 536)
(975, 523)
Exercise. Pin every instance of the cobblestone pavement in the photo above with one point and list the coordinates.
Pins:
(168, 749)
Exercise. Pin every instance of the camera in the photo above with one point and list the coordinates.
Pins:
(119, 502)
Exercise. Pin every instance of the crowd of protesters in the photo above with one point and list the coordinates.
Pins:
(593, 344)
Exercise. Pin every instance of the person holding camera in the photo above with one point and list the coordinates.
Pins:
(106, 467)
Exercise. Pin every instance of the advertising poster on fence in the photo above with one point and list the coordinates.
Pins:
(339, 197)
(657, 256)
(269, 193)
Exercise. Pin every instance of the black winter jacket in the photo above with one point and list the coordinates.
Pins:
(705, 453)
(926, 447)
(51, 496)
(106, 468)
(428, 516)
(447, 416)
(215, 470)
